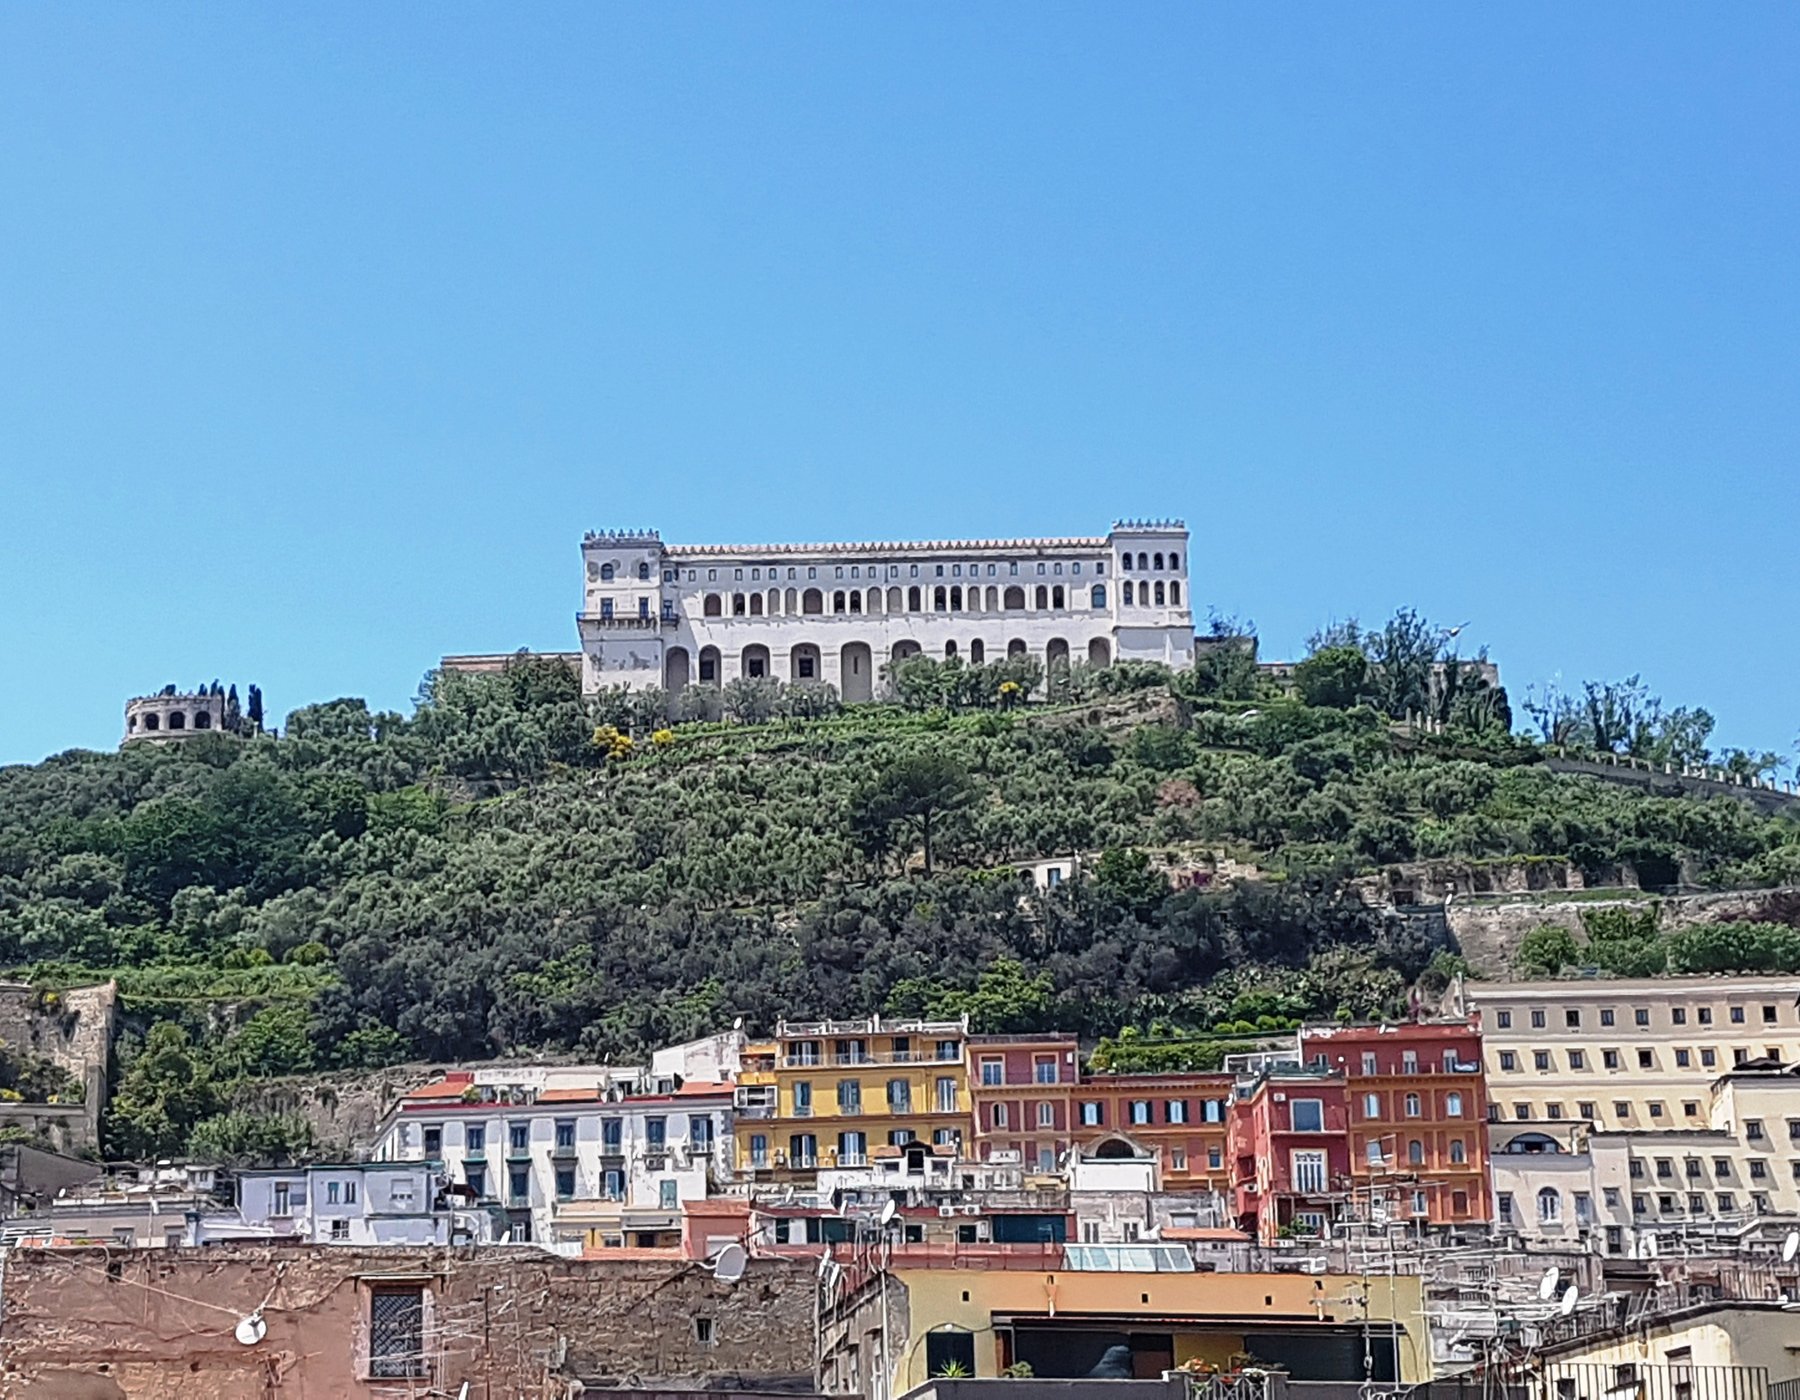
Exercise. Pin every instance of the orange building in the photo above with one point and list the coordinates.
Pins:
(1022, 1087)
(1418, 1116)
(1181, 1116)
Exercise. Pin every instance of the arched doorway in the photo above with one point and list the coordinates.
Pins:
(902, 650)
(977, 652)
(1056, 655)
(675, 670)
(1016, 647)
(812, 601)
(709, 666)
(856, 663)
(804, 664)
(756, 660)
(1015, 599)
(1099, 652)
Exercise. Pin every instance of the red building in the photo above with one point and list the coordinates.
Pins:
(1288, 1144)
(1418, 1114)
(1021, 1088)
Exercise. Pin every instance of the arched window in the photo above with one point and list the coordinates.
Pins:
(774, 601)
(977, 653)
(1159, 563)
(1549, 1206)
(712, 606)
(177, 720)
(607, 573)
(1043, 597)
(1125, 562)
(1056, 597)
(709, 665)
(1453, 1105)
(896, 600)
(738, 608)
(1097, 595)
(874, 600)
(949, 649)
(790, 603)
(203, 720)
(1015, 599)
(1458, 1153)
(643, 570)
(993, 597)
(912, 599)
(1016, 647)
(1160, 599)
(837, 601)
(812, 601)
(1143, 563)
(956, 599)
(1127, 592)
(152, 722)
(1174, 594)
(856, 600)
(1415, 1153)
(938, 596)
(1174, 561)
(756, 605)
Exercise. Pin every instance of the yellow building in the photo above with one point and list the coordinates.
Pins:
(826, 1093)
(1144, 1308)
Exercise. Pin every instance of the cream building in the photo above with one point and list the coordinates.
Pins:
(656, 614)
(1625, 1054)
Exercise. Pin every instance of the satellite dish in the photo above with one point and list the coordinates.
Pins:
(1547, 1284)
(892, 1209)
(251, 1330)
(1790, 1247)
(1649, 1250)
(1567, 1306)
(729, 1265)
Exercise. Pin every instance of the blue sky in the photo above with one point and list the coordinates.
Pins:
(327, 330)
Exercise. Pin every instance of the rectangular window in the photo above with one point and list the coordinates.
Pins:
(849, 1096)
(474, 1139)
(1522, 1111)
(1309, 1171)
(1307, 1115)
(1572, 1018)
(1588, 1109)
(1705, 1014)
(1508, 1060)
(1368, 1062)
(434, 1141)
(1412, 1106)
(1537, 1018)
(899, 1095)
(1679, 1015)
(1606, 1016)
(331, 1193)
(1000, 1116)
(518, 1184)
(656, 1134)
(565, 1135)
(946, 1095)
(759, 1149)
(1409, 1062)
(993, 1072)
(565, 1183)
(1753, 1129)
(1610, 1058)
(1046, 1114)
(1682, 1057)
(476, 1178)
(1641, 1015)
(1371, 1106)
(803, 1098)
(1215, 1158)
(668, 1194)
(518, 1137)
(283, 1199)
(1737, 1015)
(1044, 1071)
(1708, 1058)
(853, 1149)
(1577, 1060)
(612, 1131)
(1646, 1059)
(1768, 1015)
(1503, 1019)
(1503, 1203)
(397, 1333)
(1540, 1059)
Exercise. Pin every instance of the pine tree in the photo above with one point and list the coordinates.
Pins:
(253, 711)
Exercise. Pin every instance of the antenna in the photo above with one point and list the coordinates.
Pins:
(252, 1329)
(1547, 1284)
(1790, 1247)
(1570, 1295)
(728, 1265)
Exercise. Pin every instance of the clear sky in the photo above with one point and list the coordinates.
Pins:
(326, 330)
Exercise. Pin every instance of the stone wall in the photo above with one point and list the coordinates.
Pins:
(1488, 931)
(510, 1321)
(74, 1030)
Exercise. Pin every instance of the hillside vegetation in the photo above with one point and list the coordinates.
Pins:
(513, 868)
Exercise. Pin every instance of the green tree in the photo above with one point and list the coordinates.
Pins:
(1548, 948)
(243, 1139)
(914, 792)
(1334, 677)
(166, 1088)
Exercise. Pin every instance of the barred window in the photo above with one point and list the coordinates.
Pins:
(397, 1333)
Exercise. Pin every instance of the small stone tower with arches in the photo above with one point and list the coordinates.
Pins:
(173, 714)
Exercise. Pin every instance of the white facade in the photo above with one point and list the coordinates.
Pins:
(674, 615)
(367, 1203)
(537, 1153)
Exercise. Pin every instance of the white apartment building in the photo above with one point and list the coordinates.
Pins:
(361, 1203)
(655, 614)
(1625, 1054)
(545, 1154)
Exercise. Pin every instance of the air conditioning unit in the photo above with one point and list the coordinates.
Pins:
(946, 1210)
(971, 1210)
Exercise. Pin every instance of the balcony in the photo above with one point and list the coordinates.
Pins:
(475, 1154)
(518, 1152)
(563, 1151)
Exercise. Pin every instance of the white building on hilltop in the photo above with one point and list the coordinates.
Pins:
(673, 615)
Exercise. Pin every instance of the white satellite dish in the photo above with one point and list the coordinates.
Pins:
(729, 1264)
(1649, 1249)
(1567, 1306)
(891, 1210)
(251, 1330)
(1547, 1284)
(1790, 1247)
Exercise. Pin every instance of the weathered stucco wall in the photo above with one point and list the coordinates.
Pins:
(158, 1324)
(75, 1032)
